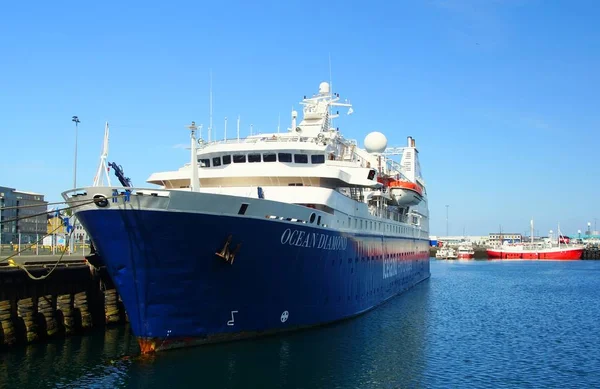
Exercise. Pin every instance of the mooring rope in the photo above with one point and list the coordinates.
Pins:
(31, 245)
(42, 205)
(47, 212)
(67, 242)
(43, 277)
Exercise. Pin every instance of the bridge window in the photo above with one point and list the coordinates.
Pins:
(269, 157)
(226, 159)
(318, 158)
(300, 158)
(217, 161)
(254, 158)
(285, 157)
(239, 158)
(204, 162)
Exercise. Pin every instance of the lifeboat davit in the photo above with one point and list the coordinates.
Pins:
(406, 192)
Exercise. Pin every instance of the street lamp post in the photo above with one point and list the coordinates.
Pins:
(447, 220)
(77, 121)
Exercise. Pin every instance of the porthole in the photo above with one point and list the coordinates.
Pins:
(312, 217)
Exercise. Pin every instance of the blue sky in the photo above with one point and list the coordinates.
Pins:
(501, 95)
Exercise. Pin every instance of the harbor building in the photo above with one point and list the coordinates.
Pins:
(499, 238)
(476, 240)
(20, 224)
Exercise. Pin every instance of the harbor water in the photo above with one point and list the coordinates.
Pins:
(473, 324)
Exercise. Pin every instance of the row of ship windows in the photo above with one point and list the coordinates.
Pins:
(369, 225)
(257, 157)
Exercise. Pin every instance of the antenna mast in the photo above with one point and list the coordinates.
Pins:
(210, 124)
(330, 91)
(531, 230)
(278, 122)
(225, 131)
(98, 179)
(194, 181)
(238, 128)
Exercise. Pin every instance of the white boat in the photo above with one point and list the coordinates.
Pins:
(465, 251)
(446, 253)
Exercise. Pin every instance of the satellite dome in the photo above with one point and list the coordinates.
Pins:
(375, 142)
(324, 88)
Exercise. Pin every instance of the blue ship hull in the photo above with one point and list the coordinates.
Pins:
(178, 292)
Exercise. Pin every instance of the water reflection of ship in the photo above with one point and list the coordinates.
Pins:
(385, 346)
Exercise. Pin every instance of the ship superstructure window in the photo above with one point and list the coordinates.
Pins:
(239, 158)
(285, 157)
(217, 161)
(270, 157)
(317, 158)
(204, 162)
(226, 159)
(300, 158)
(254, 158)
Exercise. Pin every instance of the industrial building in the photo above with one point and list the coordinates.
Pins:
(20, 224)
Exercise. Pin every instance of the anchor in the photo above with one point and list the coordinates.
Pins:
(227, 255)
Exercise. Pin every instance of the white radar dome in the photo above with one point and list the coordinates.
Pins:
(375, 142)
(324, 88)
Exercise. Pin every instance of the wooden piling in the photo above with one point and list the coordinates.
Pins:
(46, 307)
(64, 304)
(7, 327)
(111, 306)
(27, 311)
(81, 304)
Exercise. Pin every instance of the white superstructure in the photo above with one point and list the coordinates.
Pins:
(313, 165)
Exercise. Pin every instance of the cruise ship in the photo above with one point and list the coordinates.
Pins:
(263, 234)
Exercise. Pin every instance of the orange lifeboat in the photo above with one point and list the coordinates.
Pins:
(406, 192)
(406, 185)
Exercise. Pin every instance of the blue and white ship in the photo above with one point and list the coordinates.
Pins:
(268, 233)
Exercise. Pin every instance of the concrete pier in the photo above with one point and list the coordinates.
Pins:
(75, 297)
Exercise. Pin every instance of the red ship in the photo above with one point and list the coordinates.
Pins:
(529, 252)
(558, 249)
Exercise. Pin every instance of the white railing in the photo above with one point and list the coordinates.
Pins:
(258, 139)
